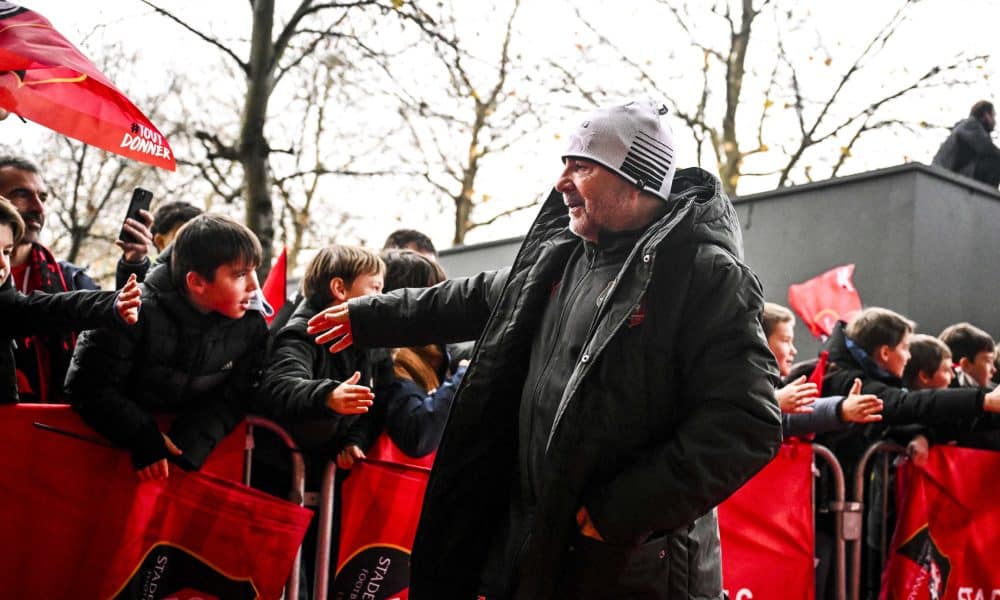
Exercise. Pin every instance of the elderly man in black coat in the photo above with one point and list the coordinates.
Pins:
(620, 389)
(969, 149)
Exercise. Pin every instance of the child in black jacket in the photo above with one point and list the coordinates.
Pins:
(44, 313)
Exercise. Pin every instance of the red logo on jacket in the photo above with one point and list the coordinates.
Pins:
(638, 315)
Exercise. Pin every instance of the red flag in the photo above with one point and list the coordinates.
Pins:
(825, 299)
(45, 79)
(274, 288)
(767, 545)
(948, 529)
(75, 522)
(381, 503)
(819, 371)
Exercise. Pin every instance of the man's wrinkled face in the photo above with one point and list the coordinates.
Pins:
(598, 200)
(28, 194)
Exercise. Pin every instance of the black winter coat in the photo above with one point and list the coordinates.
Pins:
(202, 367)
(38, 312)
(967, 144)
(935, 408)
(299, 376)
(670, 409)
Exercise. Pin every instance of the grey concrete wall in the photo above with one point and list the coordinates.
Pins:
(924, 242)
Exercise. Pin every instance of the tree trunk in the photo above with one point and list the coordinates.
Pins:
(253, 147)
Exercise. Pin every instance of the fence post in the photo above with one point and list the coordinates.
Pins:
(324, 536)
(838, 506)
(296, 494)
(859, 499)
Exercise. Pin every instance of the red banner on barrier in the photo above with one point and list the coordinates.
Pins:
(767, 530)
(75, 522)
(381, 503)
(948, 529)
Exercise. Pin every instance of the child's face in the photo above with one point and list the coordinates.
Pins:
(228, 293)
(981, 369)
(938, 379)
(365, 285)
(6, 249)
(781, 342)
(894, 358)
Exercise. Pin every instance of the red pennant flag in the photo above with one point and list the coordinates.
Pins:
(381, 503)
(45, 79)
(819, 371)
(767, 546)
(825, 299)
(948, 529)
(274, 288)
(75, 522)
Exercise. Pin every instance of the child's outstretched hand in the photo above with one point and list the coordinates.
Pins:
(129, 300)
(348, 456)
(798, 396)
(860, 408)
(348, 398)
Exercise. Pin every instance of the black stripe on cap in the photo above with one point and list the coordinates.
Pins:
(648, 161)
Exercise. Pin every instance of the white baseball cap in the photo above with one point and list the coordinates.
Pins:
(631, 141)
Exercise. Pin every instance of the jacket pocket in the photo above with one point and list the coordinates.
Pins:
(598, 570)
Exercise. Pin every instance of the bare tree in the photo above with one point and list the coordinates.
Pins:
(722, 113)
(491, 116)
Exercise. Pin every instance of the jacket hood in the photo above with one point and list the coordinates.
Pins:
(698, 211)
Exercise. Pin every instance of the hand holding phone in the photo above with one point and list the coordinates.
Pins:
(140, 201)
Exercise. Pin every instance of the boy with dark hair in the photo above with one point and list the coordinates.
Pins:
(168, 219)
(54, 313)
(411, 239)
(929, 366)
(973, 352)
(196, 352)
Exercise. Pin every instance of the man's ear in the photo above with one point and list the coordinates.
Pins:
(338, 289)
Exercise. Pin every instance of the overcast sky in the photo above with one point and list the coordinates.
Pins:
(938, 29)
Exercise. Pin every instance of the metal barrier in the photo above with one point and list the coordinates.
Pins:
(847, 516)
(859, 497)
(321, 580)
(295, 495)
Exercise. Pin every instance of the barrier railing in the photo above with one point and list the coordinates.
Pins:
(295, 495)
(324, 537)
(859, 497)
(847, 517)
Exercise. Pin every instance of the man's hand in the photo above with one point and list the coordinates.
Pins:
(586, 526)
(348, 456)
(335, 324)
(991, 402)
(161, 468)
(135, 252)
(860, 408)
(349, 398)
(129, 300)
(798, 396)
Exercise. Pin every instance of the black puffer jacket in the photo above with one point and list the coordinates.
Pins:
(39, 312)
(200, 367)
(670, 409)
